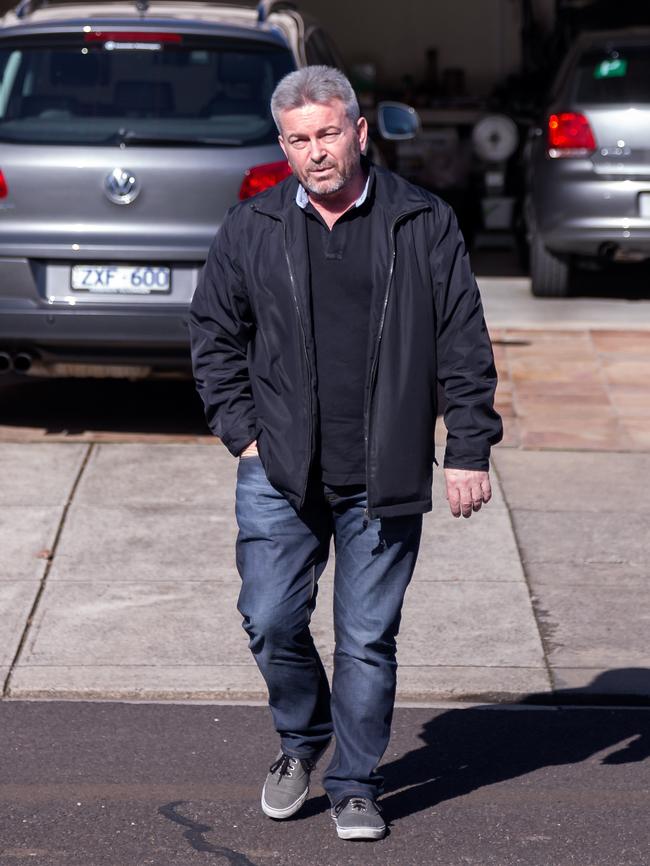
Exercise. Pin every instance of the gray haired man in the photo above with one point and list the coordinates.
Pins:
(329, 308)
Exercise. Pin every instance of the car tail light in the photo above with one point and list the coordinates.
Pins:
(261, 177)
(4, 191)
(132, 36)
(569, 134)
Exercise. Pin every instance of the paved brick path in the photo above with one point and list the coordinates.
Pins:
(573, 389)
(585, 390)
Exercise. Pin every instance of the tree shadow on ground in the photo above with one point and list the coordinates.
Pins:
(465, 749)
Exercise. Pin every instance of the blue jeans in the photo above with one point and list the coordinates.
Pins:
(280, 557)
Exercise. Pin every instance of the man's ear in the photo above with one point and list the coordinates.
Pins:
(281, 143)
(362, 133)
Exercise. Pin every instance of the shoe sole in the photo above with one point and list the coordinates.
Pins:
(360, 832)
(288, 811)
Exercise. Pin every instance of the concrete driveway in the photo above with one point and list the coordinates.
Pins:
(117, 574)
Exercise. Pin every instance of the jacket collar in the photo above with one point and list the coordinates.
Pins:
(394, 195)
(302, 196)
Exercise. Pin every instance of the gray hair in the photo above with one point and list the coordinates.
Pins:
(319, 84)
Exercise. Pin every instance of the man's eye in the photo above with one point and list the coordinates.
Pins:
(298, 144)
(331, 136)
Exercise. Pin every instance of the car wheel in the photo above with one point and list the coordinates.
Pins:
(550, 276)
(522, 250)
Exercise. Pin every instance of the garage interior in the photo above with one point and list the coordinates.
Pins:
(477, 72)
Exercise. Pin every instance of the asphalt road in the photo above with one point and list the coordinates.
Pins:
(108, 784)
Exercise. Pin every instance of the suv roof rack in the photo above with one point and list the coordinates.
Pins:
(264, 7)
(26, 7)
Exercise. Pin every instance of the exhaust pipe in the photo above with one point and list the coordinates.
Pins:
(608, 251)
(22, 362)
(6, 364)
(612, 252)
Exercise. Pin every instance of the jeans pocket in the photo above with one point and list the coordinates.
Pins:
(249, 467)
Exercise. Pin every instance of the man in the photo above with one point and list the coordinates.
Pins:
(329, 308)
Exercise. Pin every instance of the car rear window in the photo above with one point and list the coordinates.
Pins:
(139, 87)
(616, 75)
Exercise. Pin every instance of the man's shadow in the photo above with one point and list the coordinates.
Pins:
(466, 749)
(463, 750)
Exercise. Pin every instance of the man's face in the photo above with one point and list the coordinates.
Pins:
(322, 145)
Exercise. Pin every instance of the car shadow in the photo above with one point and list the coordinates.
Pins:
(117, 409)
(466, 749)
(608, 280)
(613, 280)
(114, 407)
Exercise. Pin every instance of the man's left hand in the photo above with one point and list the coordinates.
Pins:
(467, 490)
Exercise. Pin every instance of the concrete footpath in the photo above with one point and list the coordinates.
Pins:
(117, 579)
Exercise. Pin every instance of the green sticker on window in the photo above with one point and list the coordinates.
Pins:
(611, 68)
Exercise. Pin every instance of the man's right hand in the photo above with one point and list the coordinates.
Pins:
(250, 450)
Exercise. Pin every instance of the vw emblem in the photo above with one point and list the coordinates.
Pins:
(121, 186)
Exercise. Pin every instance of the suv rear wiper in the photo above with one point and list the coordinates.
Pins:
(129, 136)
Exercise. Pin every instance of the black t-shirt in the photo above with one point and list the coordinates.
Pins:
(340, 280)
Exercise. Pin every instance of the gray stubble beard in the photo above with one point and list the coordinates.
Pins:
(335, 185)
(330, 188)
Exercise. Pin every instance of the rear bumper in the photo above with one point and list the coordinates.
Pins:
(41, 316)
(579, 209)
(590, 237)
(153, 337)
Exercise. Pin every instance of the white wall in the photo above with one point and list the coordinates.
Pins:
(481, 36)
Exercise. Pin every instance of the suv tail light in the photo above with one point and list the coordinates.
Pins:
(569, 134)
(261, 177)
(4, 191)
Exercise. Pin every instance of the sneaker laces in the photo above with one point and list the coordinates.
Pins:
(284, 766)
(356, 804)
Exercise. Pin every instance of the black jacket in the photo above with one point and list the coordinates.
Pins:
(253, 351)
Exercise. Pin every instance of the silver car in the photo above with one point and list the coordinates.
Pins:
(126, 132)
(588, 163)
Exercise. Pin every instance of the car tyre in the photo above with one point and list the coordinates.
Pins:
(550, 276)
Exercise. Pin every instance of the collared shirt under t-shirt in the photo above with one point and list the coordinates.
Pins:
(341, 289)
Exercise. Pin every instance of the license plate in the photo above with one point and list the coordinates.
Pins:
(120, 279)
(644, 204)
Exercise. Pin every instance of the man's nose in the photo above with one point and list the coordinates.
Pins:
(316, 150)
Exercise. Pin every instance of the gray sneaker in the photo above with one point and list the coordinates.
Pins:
(286, 786)
(358, 818)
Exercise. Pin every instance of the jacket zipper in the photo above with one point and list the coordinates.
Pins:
(307, 367)
(294, 294)
(375, 360)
